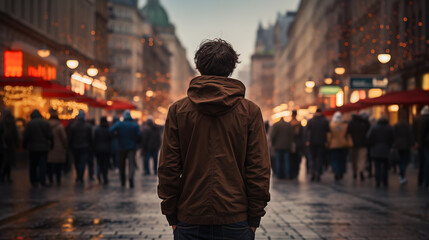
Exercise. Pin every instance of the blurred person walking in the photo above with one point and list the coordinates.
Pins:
(38, 140)
(380, 139)
(404, 141)
(316, 139)
(102, 148)
(151, 143)
(10, 144)
(80, 141)
(281, 141)
(338, 144)
(214, 168)
(418, 133)
(297, 145)
(115, 148)
(358, 128)
(425, 143)
(129, 134)
(57, 155)
(90, 160)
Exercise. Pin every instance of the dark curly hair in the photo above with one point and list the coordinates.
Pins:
(216, 57)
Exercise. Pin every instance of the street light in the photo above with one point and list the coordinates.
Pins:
(310, 84)
(92, 71)
(339, 70)
(136, 98)
(44, 52)
(72, 63)
(384, 58)
(328, 81)
(149, 93)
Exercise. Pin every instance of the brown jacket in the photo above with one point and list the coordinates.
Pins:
(58, 153)
(338, 137)
(214, 166)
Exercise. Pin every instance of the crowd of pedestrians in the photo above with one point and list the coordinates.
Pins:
(338, 141)
(54, 145)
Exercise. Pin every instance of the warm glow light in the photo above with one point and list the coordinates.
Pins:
(310, 84)
(384, 58)
(328, 81)
(280, 108)
(96, 221)
(136, 98)
(308, 90)
(149, 93)
(304, 122)
(13, 64)
(109, 103)
(44, 52)
(393, 108)
(425, 82)
(340, 98)
(92, 71)
(340, 70)
(99, 84)
(354, 97)
(375, 92)
(72, 63)
(80, 78)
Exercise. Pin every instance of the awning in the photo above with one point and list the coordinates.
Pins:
(120, 105)
(52, 90)
(417, 96)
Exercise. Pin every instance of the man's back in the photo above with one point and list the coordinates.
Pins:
(317, 128)
(214, 164)
(128, 133)
(282, 136)
(80, 135)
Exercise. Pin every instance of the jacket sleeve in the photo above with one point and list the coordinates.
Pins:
(257, 167)
(170, 168)
(63, 137)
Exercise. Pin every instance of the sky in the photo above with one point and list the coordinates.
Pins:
(235, 21)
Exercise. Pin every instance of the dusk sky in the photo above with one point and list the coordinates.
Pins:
(233, 20)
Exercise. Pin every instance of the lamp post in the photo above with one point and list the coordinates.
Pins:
(72, 63)
(384, 58)
(44, 52)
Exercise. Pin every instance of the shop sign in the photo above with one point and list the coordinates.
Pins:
(19, 64)
(368, 82)
(329, 90)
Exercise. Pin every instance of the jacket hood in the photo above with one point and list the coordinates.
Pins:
(127, 116)
(215, 95)
(383, 121)
(81, 115)
(338, 117)
(35, 114)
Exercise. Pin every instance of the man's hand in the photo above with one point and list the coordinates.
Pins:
(253, 229)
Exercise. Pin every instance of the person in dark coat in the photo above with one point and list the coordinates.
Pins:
(90, 162)
(358, 128)
(380, 139)
(129, 134)
(404, 141)
(115, 148)
(297, 145)
(151, 143)
(281, 141)
(38, 140)
(80, 141)
(425, 143)
(57, 155)
(317, 130)
(102, 147)
(10, 143)
(418, 133)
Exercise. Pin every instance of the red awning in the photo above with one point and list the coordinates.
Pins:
(345, 108)
(121, 105)
(52, 90)
(417, 96)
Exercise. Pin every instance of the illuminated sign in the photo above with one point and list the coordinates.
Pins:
(329, 90)
(18, 64)
(368, 82)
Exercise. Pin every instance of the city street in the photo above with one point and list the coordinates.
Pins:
(298, 210)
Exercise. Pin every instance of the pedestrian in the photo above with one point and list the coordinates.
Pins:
(90, 160)
(151, 143)
(115, 148)
(80, 142)
(404, 141)
(38, 140)
(102, 147)
(10, 144)
(358, 128)
(425, 143)
(297, 145)
(128, 134)
(214, 167)
(281, 141)
(418, 133)
(317, 130)
(57, 155)
(380, 139)
(338, 145)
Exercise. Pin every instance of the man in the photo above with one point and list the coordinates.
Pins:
(425, 144)
(151, 142)
(296, 153)
(80, 144)
(38, 139)
(129, 134)
(214, 167)
(317, 130)
(281, 141)
(358, 128)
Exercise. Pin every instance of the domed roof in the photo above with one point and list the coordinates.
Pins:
(155, 14)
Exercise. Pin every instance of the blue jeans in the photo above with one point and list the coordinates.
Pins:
(154, 156)
(404, 158)
(282, 155)
(239, 231)
(339, 157)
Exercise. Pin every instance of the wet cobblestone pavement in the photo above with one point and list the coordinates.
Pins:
(298, 210)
